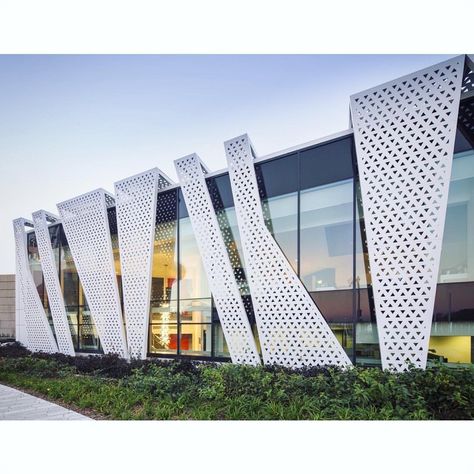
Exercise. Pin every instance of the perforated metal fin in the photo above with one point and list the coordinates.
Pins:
(404, 132)
(29, 308)
(86, 226)
(292, 331)
(136, 199)
(51, 280)
(221, 278)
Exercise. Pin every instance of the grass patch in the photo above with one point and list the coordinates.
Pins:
(160, 390)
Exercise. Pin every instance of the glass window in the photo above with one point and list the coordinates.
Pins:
(281, 219)
(457, 255)
(220, 191)
(35, 267)
(163, 338)
(193, 279)
(195, 311)
(195, 339)
(277, 177)
(163, 312)
(336, 306)
(220, 344)
(68, 277)
(112, 217)
(165, 267)
(55, 238)
(361, 252)
(327, 163)
(326, 237)
(88, 337)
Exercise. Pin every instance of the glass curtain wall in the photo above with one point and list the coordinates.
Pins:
(83, 330)
(37, 274)
(163, 334)
(452, 332)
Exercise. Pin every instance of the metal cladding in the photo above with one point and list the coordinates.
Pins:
(51, 281)
(404, 132)
(136, 216)
(86, 226)
(29, 309)
(220, 274)
(292, 330)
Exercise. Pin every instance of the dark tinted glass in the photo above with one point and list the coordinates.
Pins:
(183, 211)
(326, 163)
(336, 306)
(454, 302)
(220, 191)
(278, 176)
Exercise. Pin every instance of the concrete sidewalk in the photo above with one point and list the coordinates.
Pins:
(16, 405)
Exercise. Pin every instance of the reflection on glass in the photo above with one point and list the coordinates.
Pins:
(281, 219)
(112, 217)
(165, 270)
(35, 267)
(163, 338)
(344, 335)
(220, 344)
(193, 279)
(88, 337)
(326, 236)
(362, 254)
(195, 339)
(164, 312)
(69, 278)
(450, 349)
(195, 311)
(457, 254)
(55, 238)
(72, 317)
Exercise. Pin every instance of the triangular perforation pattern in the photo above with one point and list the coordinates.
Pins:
(86, 225)
(404, 132)
(38, 331)
(215, 258)
(292, 331)
(136, 214)
(53, 287)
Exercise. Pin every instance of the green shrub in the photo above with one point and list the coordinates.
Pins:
(157, 389)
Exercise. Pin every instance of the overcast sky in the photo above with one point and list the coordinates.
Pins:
(70, 124)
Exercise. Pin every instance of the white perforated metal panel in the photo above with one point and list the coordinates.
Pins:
(136, 216)
(222, 282)
(404, 132)
(39, 336)
(51, 280)
(292, 331)
(86, 227)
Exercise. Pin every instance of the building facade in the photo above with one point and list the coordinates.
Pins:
(353, 249)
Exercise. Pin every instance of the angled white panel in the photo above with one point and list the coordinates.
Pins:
(404, 132)
(136, 216)
(220, 275)
(29, 308)
(292, 331)
(41, 219)
(86, 226)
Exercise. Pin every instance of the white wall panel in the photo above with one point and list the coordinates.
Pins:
(220, 275)
(29, 309)
(291, 328)
(404, 132)
(86, 226)
(51, 280)
(136, 216)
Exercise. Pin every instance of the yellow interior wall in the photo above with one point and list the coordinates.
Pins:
(455, 348)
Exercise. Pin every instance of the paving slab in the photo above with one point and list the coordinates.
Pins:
(17, 405)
